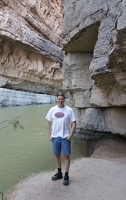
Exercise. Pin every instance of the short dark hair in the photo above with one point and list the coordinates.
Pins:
(60, 94)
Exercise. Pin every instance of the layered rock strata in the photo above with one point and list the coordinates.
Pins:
(94, 70)
(94, 41)
(19, 98)
(30, 45)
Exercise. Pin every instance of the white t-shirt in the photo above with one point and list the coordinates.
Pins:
(61, 119)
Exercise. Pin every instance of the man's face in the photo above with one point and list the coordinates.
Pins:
(60, 101)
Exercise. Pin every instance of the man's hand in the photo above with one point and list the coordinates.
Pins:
(69, 137)
(50, 139)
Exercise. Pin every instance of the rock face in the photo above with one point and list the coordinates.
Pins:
(87, 38)
(94, 71)
(30, 45)
(19, 98)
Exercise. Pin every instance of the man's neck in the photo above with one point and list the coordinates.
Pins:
(61, 106)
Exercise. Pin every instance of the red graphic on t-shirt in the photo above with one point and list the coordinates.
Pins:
(59, 115)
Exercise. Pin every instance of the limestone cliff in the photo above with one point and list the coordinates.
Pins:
(20, 98)
(78, 46)
(94, 41)
(30, 45)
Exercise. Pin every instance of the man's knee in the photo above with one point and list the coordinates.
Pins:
(57, 156)
(66, 157)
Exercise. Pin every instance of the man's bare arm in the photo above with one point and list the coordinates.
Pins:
(49, 130)
(72, 130)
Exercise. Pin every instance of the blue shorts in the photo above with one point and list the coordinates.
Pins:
(61, 144)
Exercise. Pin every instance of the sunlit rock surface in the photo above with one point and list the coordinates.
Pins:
(30, 45)
(19, 98)
(72, 45)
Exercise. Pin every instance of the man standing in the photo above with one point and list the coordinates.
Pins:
(61, 124)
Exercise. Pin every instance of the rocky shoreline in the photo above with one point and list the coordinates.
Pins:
(20, 98)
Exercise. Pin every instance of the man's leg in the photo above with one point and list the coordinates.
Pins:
(66, 149)
(67, 163)
(58, 161)
(67, 166)
(57, 153)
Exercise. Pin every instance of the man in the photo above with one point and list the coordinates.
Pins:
(61, 124)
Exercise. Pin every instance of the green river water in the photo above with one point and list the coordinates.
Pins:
(28, 151)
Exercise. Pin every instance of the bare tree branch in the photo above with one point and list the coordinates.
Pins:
(15, 122)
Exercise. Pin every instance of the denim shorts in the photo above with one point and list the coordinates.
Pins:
(61, 145)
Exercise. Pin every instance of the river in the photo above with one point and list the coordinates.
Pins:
(25, 152)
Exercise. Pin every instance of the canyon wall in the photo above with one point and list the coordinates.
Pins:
(78, 46)
(30, 45)
(20, 98)
(94, 69)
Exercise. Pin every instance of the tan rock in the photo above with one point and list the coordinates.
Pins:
(31, 54)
